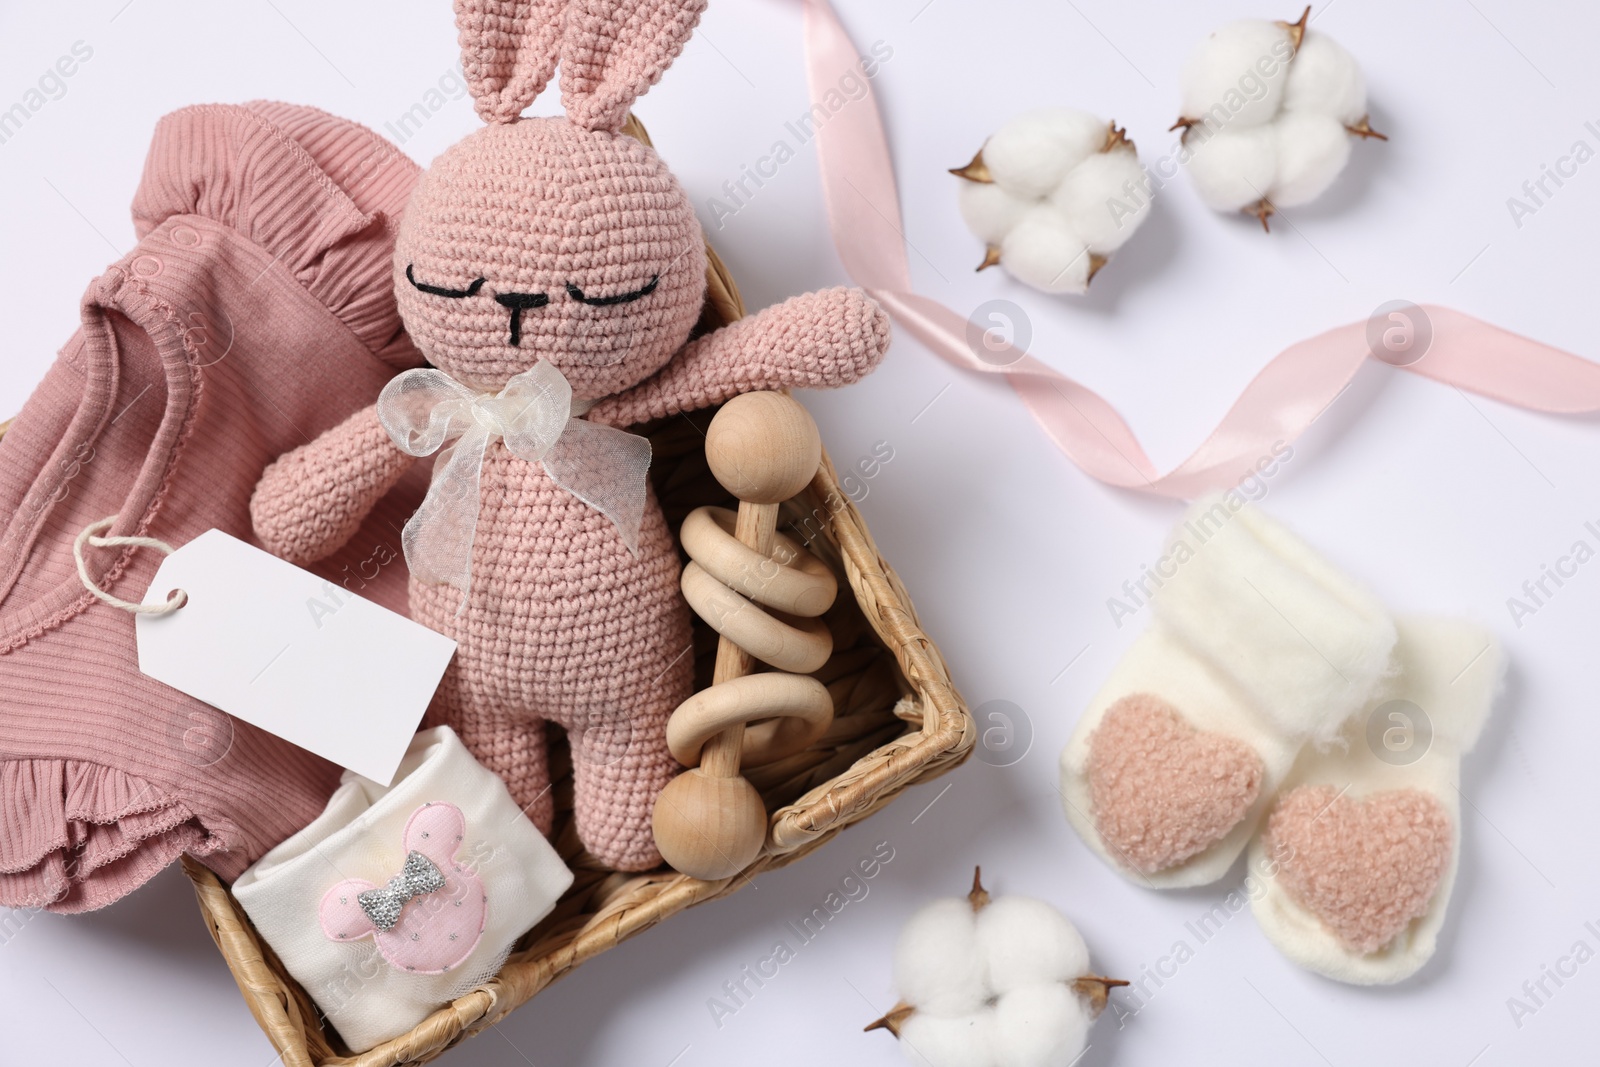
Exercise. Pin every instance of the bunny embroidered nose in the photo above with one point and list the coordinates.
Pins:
(418, 876)
(518, 303)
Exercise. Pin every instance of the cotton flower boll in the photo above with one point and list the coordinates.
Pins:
(1032, 153)
(937, 964)
(1106, 197)
(1044, 250)
(1324, 80)
(1040, 1026)
(955, 1041)
(1234, 167)
(1312, 150)
(990, 211)
(1027, 942)
(1037, 995)
(1051, 195)
(1275, 134)
(1240, 69)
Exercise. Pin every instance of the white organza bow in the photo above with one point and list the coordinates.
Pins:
(424, 409)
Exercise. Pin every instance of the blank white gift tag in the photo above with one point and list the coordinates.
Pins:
(294, 654)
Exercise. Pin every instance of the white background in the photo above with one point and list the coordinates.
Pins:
(1442, 502)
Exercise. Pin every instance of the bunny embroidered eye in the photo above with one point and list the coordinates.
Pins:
(518, 303)
(621, 298)
(454, 294)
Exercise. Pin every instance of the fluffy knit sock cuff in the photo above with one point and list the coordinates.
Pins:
(1305, 643)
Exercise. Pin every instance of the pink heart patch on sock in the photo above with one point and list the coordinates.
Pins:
(1163, 791)
(1366, 868)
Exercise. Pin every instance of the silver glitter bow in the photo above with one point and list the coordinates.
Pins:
(417, 876)
(534, 414)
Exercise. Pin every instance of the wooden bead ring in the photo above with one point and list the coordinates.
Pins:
(791, 580)
(790, 712)
(801, 646)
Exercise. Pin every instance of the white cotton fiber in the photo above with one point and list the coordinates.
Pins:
(937, 965)
(1234, 166)
(1241, 69)
(1107, 197)
(1324, 80)
(1027, 942)
(1044, 251)
(991, 211)
(1032, 153)
(1312, 150)
(962, 1041)
(1040, 1026)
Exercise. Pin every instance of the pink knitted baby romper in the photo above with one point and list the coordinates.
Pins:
(255, 312)
(565, 241)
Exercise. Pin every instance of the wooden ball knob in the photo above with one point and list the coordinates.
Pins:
(708, 827)
(763, 447)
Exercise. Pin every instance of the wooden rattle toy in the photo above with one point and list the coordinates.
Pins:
(710, 822)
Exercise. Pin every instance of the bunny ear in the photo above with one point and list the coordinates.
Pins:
(614, 50)
(508, 52)
(341, 914)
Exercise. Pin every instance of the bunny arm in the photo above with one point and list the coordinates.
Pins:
(309, 502)
(818, 340)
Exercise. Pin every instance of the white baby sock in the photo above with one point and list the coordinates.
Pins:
(1258, 646)
(1359, 853)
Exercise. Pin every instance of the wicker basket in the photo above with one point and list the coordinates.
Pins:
(899, 721)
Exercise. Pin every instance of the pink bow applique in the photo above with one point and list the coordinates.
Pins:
(428, 917)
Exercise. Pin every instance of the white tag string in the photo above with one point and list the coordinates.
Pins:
(91, 536)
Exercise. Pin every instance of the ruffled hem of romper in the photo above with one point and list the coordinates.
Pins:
(78, 835)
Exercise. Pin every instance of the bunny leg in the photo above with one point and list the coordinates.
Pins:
(511, 744)
(620, 764)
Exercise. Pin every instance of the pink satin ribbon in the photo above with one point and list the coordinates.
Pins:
(1279, 403)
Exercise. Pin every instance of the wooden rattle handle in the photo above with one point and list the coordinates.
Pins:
(710, 822)
(754, 529)
(764, 448)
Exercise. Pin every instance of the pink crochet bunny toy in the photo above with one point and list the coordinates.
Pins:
(538, 255)
(430, 915)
